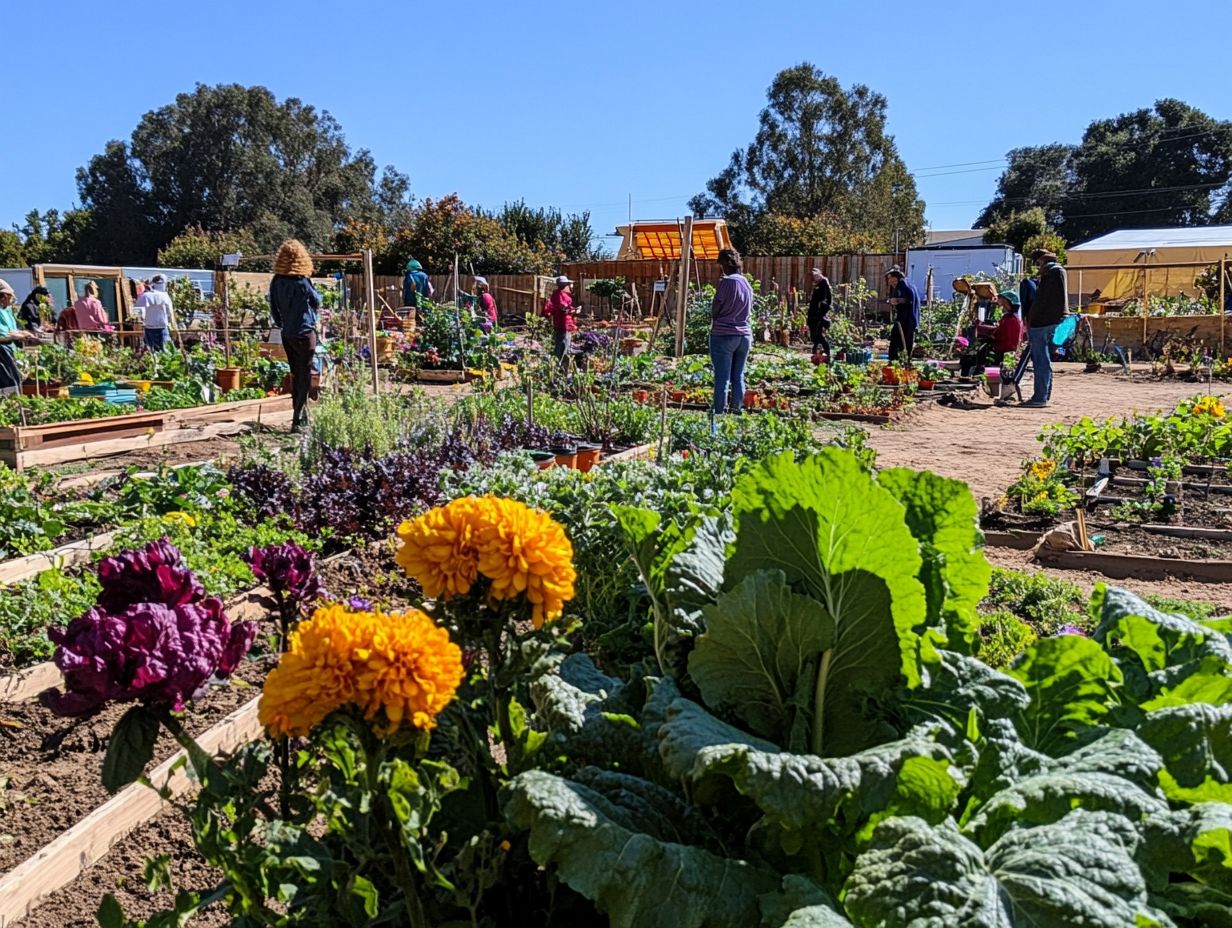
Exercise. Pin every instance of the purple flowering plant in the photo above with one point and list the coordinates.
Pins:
(153, 638)
(287, 569)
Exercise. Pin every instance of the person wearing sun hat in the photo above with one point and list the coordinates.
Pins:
(995, 340)
(1050, 306)
(485, 304)
(415, 285)
(294, 303)
(559, 308)
(10, 334)
(906, 302)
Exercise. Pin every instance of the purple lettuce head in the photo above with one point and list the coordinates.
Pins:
(287, 568)
(153, 574)
(151, 653)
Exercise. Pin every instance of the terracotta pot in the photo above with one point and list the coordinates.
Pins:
(927, 384)
(641, 396)
(889, 376)
(678, 396)
(751, 399)
(385, 349)
(588, 456)
(784, 338)
(228, 378)
(543, 459)
(566, 456)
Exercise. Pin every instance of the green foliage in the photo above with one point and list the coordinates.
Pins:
(1044, 604)
(224, 157)
(28, 608)
(821, 153)
(354, 418)
(197, 248)
(1116, 166)
(1017, 227)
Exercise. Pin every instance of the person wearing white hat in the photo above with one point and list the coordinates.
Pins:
(559, 308)
(10, 334)
(485, 304)
(157, 313)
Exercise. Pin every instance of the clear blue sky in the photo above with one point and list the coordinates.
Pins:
(579, 105)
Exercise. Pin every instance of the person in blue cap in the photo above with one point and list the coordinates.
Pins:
(415, 285)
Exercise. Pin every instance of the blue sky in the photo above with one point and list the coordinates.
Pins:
(581, 105)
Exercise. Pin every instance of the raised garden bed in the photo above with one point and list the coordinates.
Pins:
(45, 445)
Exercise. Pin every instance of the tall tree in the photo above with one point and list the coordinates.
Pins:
(1036, 176)
(1167, 165)
(226, 158)
(820, 151)
(1163, 166)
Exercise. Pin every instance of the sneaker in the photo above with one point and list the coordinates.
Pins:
(1034, 404)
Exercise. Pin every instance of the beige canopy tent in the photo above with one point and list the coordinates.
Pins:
(1158, 262)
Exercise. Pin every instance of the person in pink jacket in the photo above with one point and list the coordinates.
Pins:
(90, 313)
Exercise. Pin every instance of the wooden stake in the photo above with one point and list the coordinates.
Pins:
(1082, 530)
(370, 295)
(682, 298)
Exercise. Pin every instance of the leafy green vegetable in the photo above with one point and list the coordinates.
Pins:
(758, 656)
(1073, 685)
(1079, 871)
(614, 852)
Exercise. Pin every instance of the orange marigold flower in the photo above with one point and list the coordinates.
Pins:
(411, 670)
(398, 663)
(526, 551)
(316, 674)
(438, 549)
(1210, 406)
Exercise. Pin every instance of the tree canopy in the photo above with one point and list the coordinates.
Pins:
(225, 158)
(1167, 165)
(820, 152)
(228, 168)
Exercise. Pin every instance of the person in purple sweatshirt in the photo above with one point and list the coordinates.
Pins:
(731, 336)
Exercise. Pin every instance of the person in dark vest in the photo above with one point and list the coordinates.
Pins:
(1050, 306)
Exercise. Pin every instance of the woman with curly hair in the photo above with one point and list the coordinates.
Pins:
(293, 306)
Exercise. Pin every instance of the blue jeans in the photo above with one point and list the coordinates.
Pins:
(155, 339)
(1040, 338)
(728, 354)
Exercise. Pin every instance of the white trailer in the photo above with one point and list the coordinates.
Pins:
(957, 261)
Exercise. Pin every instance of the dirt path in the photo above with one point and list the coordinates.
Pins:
(986, 446)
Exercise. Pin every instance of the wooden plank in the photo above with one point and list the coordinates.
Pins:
(636, 453)
(57, 864)
(1016, 538)
(1141, 567)
(28, 683)
(68, 555)
(19, 460)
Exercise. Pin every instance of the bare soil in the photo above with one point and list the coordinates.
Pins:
(986, 446)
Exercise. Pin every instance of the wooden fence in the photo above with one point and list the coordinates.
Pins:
(516, 293)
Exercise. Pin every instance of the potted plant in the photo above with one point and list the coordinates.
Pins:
(931, 374)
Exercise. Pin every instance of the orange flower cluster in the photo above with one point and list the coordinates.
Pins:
(523, 551)
(399, 664)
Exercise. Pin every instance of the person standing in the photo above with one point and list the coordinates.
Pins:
(30, 314)
(485, 304)
(415, 285)
(89, 312)
(731, 335)
(559, 308)
(820, 302)
(10, 335)
(906, 302)
(1047, 310)
(157, 313)
(293, 307)
(1026, 294)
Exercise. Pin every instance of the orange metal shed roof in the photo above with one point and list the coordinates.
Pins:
(662, 239)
